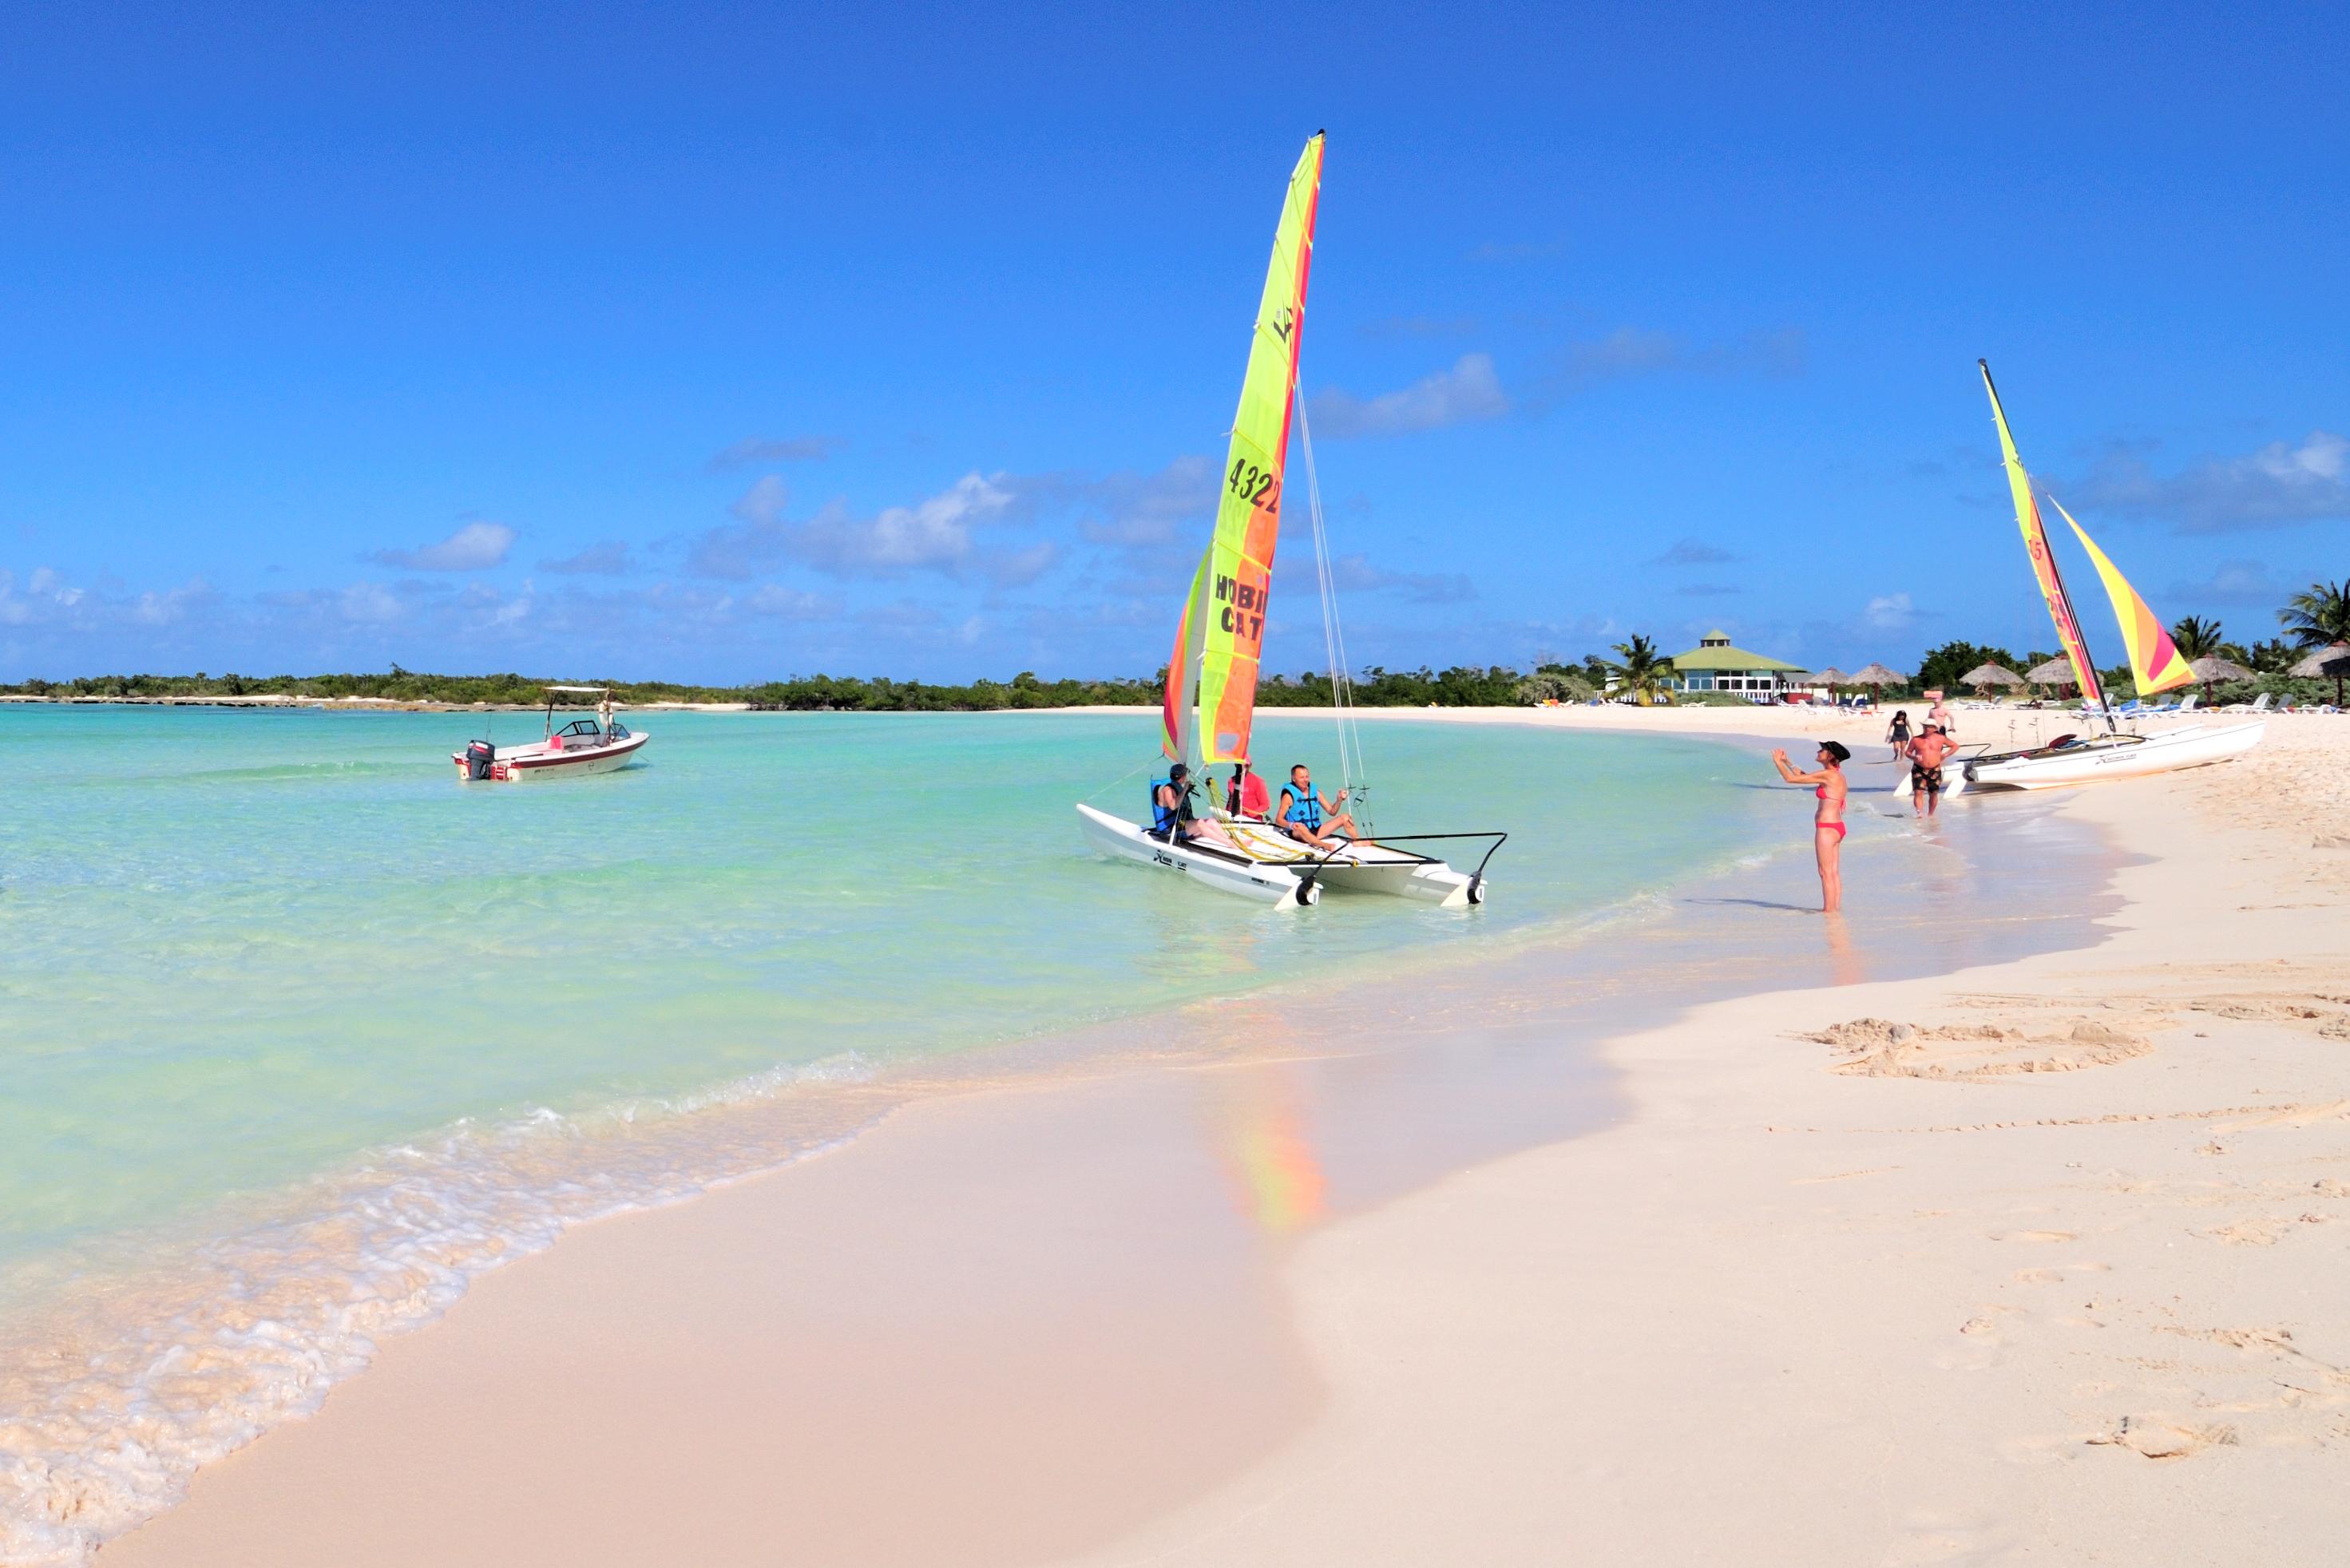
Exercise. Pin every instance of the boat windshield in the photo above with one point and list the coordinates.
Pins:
(582, 727)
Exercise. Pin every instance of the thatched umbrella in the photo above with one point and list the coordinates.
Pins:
(1986, 675)
(2211, 667)
(1878, 676)
(2057, 671)
(2332, 659)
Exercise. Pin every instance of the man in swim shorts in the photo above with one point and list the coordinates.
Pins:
(1927, 755)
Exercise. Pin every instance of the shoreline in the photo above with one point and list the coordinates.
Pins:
(199, 1337)
(412, 1373)
(2037, 1261)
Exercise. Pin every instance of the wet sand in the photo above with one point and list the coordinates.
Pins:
(1413, 1276)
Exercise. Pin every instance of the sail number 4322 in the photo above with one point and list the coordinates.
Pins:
(1262, 487)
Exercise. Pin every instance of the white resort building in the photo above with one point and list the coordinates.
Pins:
(1713, 665)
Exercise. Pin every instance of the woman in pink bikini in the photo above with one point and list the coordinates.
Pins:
(1827, 824)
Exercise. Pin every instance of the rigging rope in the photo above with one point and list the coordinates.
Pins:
(1353, 776)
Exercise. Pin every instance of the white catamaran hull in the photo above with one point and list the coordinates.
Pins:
(2114, 757)
(1275, 885)
(1288, 875)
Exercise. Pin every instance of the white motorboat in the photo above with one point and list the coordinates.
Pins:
(1212, 674)
(2155, 662)
(582, 746)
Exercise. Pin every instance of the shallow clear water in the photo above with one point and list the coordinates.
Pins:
(243, 946)
(299, 1033)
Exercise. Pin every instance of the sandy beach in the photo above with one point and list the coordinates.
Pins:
(2040, 1260)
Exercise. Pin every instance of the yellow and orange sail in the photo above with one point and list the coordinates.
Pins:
(1220, 641)
(2043, 560)
(2154, 659)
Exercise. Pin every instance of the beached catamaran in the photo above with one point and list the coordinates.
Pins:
(1211, 675)
(2154, 661)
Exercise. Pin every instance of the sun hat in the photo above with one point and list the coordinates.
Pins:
(1837, 749)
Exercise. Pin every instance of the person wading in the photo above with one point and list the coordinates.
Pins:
(1827, 822)
(1928, 752)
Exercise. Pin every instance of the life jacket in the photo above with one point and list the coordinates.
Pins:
(1164, 819)
(1305, 807)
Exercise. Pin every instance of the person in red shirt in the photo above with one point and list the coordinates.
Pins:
(1247, 795)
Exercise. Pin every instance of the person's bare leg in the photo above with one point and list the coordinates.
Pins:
(1830, 848)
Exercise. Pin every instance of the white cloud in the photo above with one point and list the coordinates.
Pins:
(368, 604)
(937, 533)
(1891, 612)
(164, 609)
(475, 547)
(2280, 484)
(793, 603)
(1471, 391)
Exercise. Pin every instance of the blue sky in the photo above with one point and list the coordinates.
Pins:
(720, 343)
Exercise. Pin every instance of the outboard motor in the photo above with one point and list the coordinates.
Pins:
(479, 756)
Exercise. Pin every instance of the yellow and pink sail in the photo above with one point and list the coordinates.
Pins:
(2154, 661)
(1219, 638)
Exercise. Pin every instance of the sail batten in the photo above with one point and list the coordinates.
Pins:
(2043, 559)
(2154, 660)
(1229, 617)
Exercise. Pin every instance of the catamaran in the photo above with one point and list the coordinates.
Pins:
(596, 746)
(1210, 706)
(2154, 661)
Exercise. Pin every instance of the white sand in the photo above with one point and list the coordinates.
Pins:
(2061, 1275)
(2049, 1266)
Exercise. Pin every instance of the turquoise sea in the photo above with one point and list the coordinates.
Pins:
(299, 1032)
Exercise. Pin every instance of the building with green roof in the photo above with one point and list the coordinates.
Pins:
(1713, 665)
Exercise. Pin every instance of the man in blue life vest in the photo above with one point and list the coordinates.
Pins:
(1171, 812)
(1307, 817)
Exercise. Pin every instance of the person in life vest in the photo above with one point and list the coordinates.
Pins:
(1171, 812)
(1307, 817)
(1247, 795)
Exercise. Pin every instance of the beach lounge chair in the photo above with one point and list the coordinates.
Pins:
(2187, 704)
(2259, 705)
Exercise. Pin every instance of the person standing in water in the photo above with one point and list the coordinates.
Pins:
(1897, 735)
(1928, 752)
(1827, 823)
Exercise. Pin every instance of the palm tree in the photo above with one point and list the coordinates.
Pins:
(1640, 671)
(2196, 638)
(2319, 614)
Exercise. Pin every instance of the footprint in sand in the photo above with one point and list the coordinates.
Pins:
(1980, 1341)
(2059, 1274)
(2033, 1236)
(2158, 1437)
